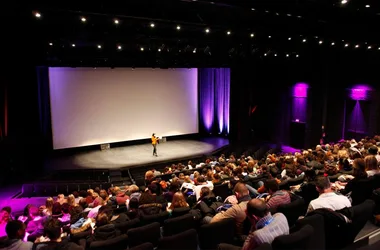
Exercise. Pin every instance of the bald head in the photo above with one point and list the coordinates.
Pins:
(257, 207)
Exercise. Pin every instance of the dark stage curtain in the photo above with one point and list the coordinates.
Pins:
(214, 100)
(44, 103)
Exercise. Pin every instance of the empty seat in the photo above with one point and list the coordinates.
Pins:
(184, 240)
(179, 224)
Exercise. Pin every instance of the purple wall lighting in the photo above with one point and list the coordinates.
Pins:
(299, 102)
(214, 101)
(360, 92)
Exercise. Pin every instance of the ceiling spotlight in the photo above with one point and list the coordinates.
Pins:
(152, 25)
(378, 48)
(116, 21)
(142, 48)
(368, 6)
(343, 1)
(51, 44)
(369, 47)
(332, 44)
(275, 54)
(73, 45)
(159, 50)
(357, 46)
(99, 46)
(253, 9)
(119, 47)
(37, 14)
(178, 27)
(252, 35)
(207, 30)
(287, 55)
(269, 36)
(346, 45)
(195, 51)
(289, 38)
(297, 55)
(304, 40)
(320, 42)
(83, 19)
(228, 32)
(265, 54)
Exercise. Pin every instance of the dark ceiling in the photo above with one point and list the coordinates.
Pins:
(280, 28)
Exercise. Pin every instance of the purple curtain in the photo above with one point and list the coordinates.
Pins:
(214, 100)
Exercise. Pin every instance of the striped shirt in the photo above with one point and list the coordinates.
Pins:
(278, 198)
(266, 230)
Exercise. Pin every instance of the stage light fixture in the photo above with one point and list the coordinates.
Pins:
(265, 54)
(297, 55)
(269, 36)
(178, 27)
(252, 35)
(207, 30)
(119, 47)
(287, 55)
(253, 9)
(51, 44)
(320, 42)
(228, 32)
(368, 6)
(83, 19)
(344, 1)
(369, 47)
(142, 48)
(99, 46)
(116, 21)
(152, 25)
(37, 14)
(346, 45)
(73, 45)
(332, 44)
(304, 40)
(378, 48)
(289, 38)
(159, 50)
(195, 50)
(357, 46)
(275, 54)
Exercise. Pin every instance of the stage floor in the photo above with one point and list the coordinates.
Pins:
(136, 155)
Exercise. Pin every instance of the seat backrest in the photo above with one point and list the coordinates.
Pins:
(211, 235)
(297, 240)
(318, 223)
(180, 211)
(144, 246)
(222, 191)
(123, 227)
(117, 243)
(362, 190)
(179, 224)
(184, 240)
(149, 233)
(292, 210)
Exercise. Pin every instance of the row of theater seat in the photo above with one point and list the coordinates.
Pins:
(53, 189)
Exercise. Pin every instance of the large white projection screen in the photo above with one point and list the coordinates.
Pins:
(95, 106)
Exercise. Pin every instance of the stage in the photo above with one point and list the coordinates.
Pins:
(136, 155)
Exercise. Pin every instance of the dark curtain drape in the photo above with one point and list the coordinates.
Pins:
(214, 100)
(44, 104)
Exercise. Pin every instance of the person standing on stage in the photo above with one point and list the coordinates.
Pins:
(154, 144)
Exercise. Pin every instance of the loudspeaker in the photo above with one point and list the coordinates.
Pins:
(297, 134)
(105, 146)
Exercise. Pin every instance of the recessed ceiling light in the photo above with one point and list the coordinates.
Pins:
(297, 55)
(289, 38)
(368, 6)
(99, 46)
(252, 35)
(73, 45)
(332, 44)
(369, 47)
(320, 42)
(228, 32)
(51, 44)
(83, 19)
(357, 46)
(119, 47)
(207, 30)
(178, 27)
(37, 14)
(304, 40)
(346, 45)
(152, 25)
(287, 55)
(116, 21)
(343, 1)
(142, 48)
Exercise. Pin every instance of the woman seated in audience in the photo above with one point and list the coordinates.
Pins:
(47, 210)
(371, 165)
(5, 217)
(25, 217)
(103, 229)
(177, 202)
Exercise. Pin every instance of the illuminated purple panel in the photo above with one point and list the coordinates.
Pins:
(300, 90)
(360, 92)
(299, 102)
(356, 122)
(214, 101)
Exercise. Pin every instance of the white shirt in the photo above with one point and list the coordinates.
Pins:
(330, 200)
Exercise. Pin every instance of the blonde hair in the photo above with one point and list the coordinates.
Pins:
(71, 200)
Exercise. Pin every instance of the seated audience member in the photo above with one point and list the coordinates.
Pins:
(371, 165)
(202, 182)
(178, 201)
(237, 211)
(98, 202)
(35, 227)
(327, 197)
(53, 231)
(104, 230)
(16, 231)
(25, 217)
(276, 197)
(61, 199)
(5, 217)
(47, 210)
(265, 227)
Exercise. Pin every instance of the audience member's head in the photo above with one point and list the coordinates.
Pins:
(256, 209)
(15, 229)
(34, 212)
(52, 229)
(323, 184)
(71, 200)
(271, 186)
(371, 162)
(240, 190)
(359, 168)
